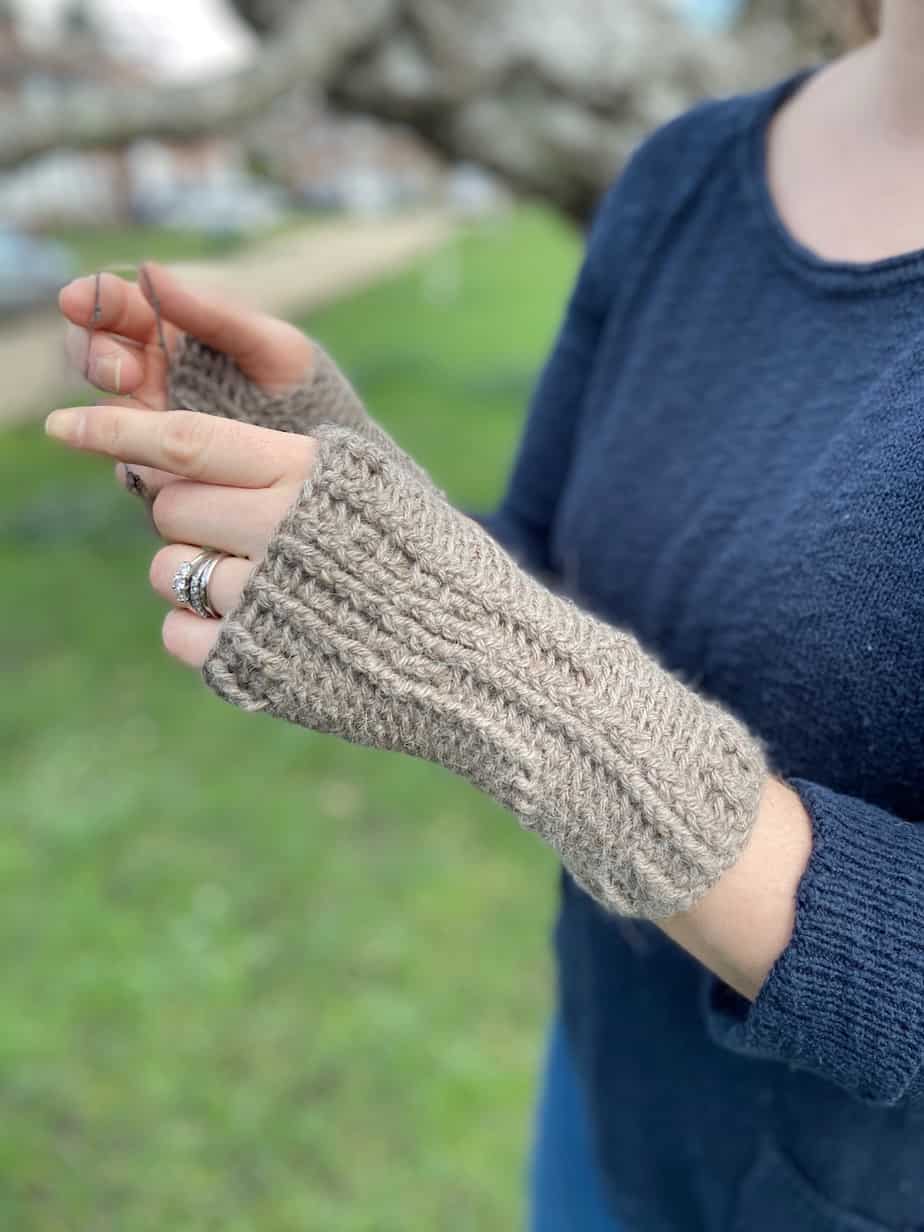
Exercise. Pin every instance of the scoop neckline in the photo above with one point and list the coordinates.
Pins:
(835, 276)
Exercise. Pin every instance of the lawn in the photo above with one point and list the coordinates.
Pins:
(256, 980)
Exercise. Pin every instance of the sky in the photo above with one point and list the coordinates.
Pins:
(183, 38)
(711, 12)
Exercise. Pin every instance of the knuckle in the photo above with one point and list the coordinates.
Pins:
(109, 428)
(185, 440)
(292, 457)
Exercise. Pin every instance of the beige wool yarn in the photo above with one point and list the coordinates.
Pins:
(383, 615)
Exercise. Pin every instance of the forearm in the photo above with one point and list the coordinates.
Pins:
(741, 926)
(380, 614)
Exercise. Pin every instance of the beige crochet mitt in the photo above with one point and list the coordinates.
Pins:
(385, 616)
(206, 380)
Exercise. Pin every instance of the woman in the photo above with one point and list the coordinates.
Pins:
(725, 456)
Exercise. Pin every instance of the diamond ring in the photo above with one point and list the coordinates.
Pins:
(191, 583)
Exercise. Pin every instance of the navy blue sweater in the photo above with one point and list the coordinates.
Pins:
(725, 454)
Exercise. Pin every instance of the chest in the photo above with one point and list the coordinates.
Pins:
(760, 526)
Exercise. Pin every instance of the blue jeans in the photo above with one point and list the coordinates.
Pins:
(566, 1193)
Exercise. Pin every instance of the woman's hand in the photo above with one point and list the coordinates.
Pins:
(234, 484)
(113, 338)
(360, 603)
(124, 339)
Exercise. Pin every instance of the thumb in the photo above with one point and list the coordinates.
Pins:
(272, 353)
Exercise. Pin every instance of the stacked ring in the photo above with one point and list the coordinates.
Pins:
(191, 583)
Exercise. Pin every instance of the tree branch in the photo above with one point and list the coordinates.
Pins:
(310, 46)
(552, 94)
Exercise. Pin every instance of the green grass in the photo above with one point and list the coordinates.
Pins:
(97, 248)
(255, 979)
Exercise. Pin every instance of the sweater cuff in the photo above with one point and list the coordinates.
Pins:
(845, 999)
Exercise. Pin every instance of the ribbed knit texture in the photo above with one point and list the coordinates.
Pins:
(385, 616)
(206, 380)
(725, 454)
(809, 1007)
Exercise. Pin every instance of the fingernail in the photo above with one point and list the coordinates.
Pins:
(135, 483)
(129, 479)
(64, 425)
(106, 372)
(144, 280)
(88, 278)
(77, 345)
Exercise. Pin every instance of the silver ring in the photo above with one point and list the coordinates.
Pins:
(183, 577)
(191, 583)
(199, 587)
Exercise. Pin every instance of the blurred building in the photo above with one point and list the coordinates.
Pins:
(92, 186)
(298, 153)
(337, 162)
(356, 164)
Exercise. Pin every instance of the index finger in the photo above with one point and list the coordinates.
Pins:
(106, 302)
(194, 446)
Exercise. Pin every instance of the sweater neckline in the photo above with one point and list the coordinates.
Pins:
(834, 276)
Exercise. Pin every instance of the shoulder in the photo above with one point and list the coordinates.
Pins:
(667, 170)
(682, 152)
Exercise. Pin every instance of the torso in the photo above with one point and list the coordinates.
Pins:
(746, 494)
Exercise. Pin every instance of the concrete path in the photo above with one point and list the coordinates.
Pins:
(299, 270)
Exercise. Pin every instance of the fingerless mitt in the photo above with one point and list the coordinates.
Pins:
(209, 381)
(383, 615)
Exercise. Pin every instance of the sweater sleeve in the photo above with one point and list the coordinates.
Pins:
(845, 999)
